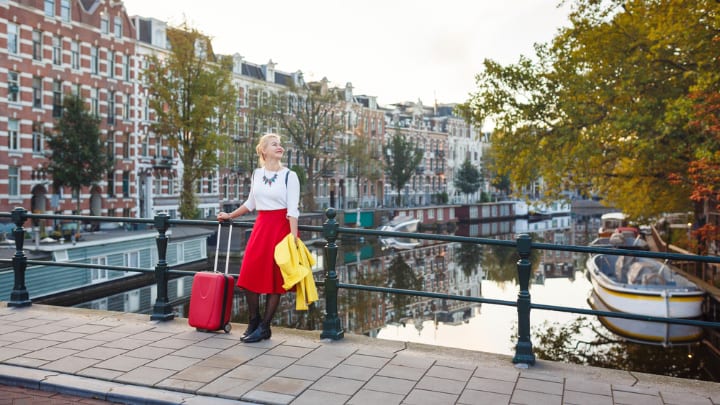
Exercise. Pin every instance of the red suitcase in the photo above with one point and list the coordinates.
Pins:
(212, 294)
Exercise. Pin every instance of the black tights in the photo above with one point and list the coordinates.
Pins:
(271, 303)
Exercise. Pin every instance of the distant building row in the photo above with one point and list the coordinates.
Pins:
(94, 49)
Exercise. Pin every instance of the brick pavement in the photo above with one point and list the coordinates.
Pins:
(127, 358)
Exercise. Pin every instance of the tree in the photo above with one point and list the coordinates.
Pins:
(361, 157)
(192, 95)
(402, 276)
(402, 158)
(468, 179)
(469, 256)
(78, 157)
(313, 119)
(604, 108)
(251, 126)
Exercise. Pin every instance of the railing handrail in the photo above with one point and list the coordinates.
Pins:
(330, 230)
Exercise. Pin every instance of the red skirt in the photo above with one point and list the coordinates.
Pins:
(258, 272)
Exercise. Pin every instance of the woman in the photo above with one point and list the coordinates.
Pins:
(275, 194)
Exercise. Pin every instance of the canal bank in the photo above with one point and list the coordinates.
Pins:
(127, 358)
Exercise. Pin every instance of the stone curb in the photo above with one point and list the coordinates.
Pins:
(49, 381)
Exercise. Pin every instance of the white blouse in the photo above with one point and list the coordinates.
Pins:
(269, 192)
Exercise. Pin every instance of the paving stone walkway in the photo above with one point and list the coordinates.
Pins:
(126, 358)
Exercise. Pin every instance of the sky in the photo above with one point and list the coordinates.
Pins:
(397, 50)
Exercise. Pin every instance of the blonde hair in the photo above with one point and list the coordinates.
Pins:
(262, 143)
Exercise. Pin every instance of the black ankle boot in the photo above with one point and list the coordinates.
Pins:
(253, 324)
(261, 333)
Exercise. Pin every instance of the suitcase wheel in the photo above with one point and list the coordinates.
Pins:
(227, 327)
(201, 330)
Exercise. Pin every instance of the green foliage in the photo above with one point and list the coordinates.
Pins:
(402, 276)
(193, 97)
(603, 108)
(302, 176)
(360, 159)
(443, 197)
(402, 157)
(78, 154)
(469, 256)
(468, 179)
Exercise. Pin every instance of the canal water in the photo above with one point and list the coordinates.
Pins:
(470, 270)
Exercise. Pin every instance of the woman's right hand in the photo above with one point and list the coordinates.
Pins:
(223, 216)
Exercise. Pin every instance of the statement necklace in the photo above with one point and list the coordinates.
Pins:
(269, 181)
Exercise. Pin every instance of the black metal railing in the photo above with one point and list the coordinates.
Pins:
(332, 329)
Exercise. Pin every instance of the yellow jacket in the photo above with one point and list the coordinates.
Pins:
(295, 262)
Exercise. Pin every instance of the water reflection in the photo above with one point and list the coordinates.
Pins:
(474, 271)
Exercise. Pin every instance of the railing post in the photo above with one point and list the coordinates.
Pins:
(523, 349)
(19, 296)
(162, 310)
(331, 323)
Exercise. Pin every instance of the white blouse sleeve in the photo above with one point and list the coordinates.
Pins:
(250, 202)
(293, 195)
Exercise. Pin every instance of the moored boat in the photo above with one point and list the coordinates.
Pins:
(646, 332)
(612, 222)
(400, 224)
(644, 286)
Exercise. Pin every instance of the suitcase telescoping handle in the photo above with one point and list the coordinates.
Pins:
(217, 247)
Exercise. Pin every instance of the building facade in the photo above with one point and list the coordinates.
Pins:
(50, 49)
(94, 49)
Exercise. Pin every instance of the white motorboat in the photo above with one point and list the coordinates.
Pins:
(400, 224)
(644, 286)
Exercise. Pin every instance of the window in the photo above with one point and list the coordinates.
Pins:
(94, 60)
(111, 184)
(75, 55)
(171, 185)
(14, 181)
(146, 110)
(111, 108)
(125, 67)
(57, 99)
(126, 183)
(50, 8)
(13, 87)
(13, 134)
(75, 90)
(131, 301)
(37, 44)
(126, 107)
(98, 275)
(126, 146)
(12, 41)
(104, 24)
(110, 147)
(37, 92)
(111, 64)
(65, 10)
(145, 145)
(94, 102)
(158, 185)
(57, 50)
(37, 137)
(117, 27)
(132, 259)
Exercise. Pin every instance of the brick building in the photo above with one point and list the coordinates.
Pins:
(52, 48)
